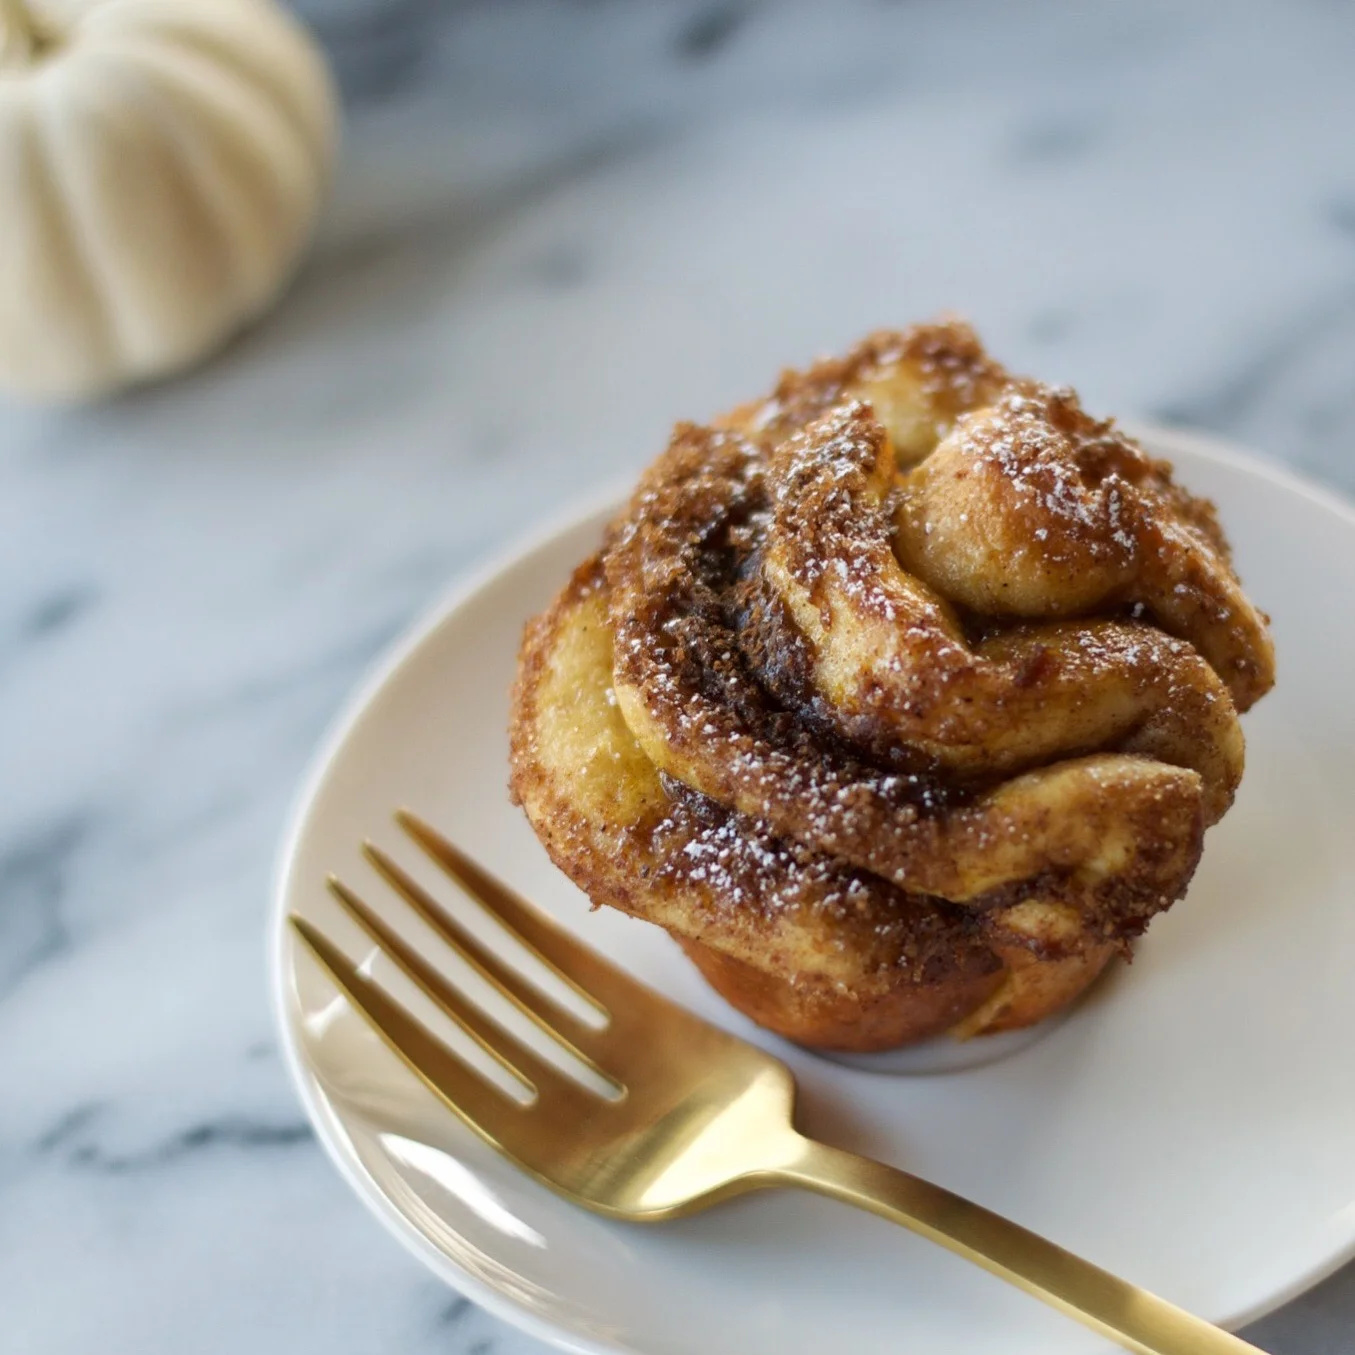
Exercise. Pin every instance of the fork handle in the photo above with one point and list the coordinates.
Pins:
(1134, 1318)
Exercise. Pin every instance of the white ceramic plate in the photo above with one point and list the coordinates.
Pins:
(1191, 1127)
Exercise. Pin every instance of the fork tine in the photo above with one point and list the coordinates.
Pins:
(582, 968)
(543, 1077)
(462, 1090)
(525, 996)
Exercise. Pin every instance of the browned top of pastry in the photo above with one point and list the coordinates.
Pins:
(1033, 509)
(919, 380)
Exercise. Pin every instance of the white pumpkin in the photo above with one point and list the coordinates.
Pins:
(161, 166)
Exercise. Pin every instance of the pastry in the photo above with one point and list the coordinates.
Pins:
(901, 698)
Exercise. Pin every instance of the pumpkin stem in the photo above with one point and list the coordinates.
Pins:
(18, 40)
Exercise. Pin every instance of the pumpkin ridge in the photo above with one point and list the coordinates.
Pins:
(243, 161)
(240, 54)
(134, 325)
(61, 213)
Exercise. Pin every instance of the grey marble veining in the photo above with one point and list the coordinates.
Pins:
(556, 228)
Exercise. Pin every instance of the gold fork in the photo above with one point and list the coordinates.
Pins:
(697, 1115)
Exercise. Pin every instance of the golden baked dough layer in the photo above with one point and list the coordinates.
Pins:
(902, 698)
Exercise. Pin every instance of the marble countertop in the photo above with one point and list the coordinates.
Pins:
(557, 227)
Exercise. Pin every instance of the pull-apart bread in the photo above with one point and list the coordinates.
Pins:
(901, 698)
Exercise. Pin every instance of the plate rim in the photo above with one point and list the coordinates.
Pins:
(464, 585)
